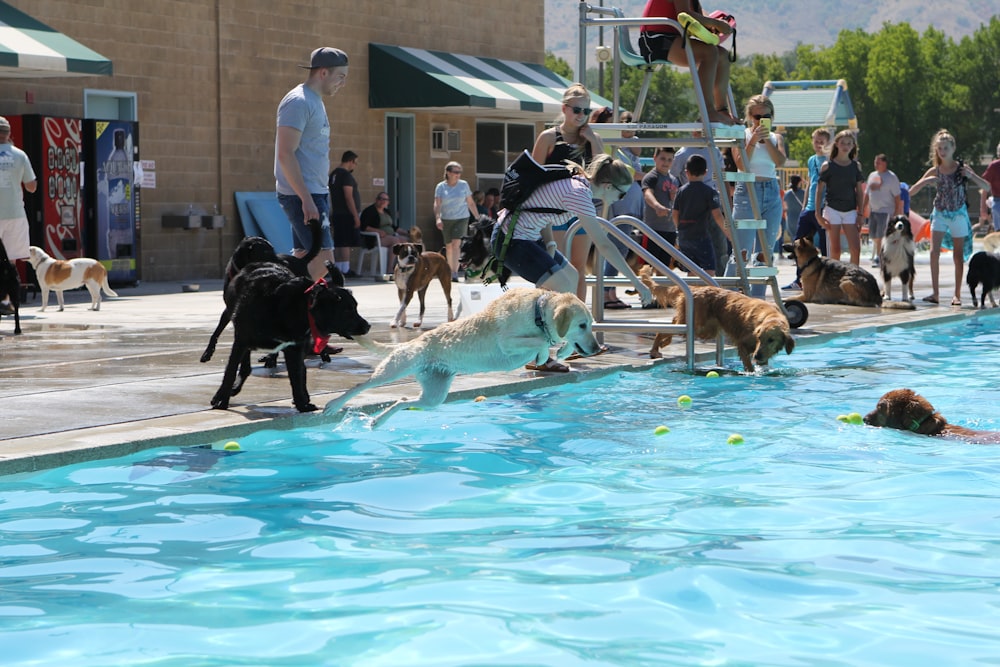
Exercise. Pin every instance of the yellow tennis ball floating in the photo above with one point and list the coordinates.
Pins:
(712, 374)
(734, 439)
(231, 446)
(854, 418)
(661, 430)
(684, 400)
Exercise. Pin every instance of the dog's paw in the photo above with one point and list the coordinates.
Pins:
(308, 407)
(416, 325)
(220, 403)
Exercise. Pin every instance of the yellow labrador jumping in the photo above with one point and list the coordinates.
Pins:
(518, 328)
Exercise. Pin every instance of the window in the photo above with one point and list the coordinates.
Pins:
(497, 144)
(109, 105)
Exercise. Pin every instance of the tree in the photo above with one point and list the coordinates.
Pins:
(558, 65)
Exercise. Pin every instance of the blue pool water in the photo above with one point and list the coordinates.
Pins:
(546, 528)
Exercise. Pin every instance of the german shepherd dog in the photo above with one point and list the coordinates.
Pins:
(826, 280)
(276, 310)
(896, 257)
(984, 269)
(10, 284)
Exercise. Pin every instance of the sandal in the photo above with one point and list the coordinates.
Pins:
(616, 304)
(931, 299)
(956, 302)
(577, 355)
(550, 366)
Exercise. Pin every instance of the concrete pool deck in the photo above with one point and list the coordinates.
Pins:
(81, 385)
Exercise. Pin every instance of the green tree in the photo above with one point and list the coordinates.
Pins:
(558, 65)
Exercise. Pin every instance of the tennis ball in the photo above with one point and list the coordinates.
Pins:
(843, 418)
(661, 430)
(684, 400)
(231, 446)
(734, 439)
(711, 374)
(479, 399)
(855, 418)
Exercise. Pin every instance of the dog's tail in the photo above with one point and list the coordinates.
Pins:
(662, 293)
(373, 346)
(899, 305)
(317, 240)
(104, 284)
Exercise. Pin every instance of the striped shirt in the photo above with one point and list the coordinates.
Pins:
(570, 194)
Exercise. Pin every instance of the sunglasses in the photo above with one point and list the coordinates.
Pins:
(621, 195)
(761, 115)
(579, 110)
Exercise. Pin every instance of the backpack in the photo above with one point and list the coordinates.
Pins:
(522, 177)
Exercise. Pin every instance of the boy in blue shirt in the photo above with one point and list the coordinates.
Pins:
(695, 208)
(808, 225)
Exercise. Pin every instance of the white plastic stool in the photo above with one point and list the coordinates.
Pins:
(378, 252)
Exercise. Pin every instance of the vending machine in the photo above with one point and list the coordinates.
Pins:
(55, 209)
(113, 221)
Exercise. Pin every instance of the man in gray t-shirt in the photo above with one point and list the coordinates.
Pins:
(882, 196)
(302, 153)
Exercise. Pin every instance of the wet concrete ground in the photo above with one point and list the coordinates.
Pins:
(80, 384)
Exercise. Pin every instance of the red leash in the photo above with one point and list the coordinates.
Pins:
(319, 340)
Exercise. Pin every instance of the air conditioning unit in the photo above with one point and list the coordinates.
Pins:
(454, 141)
(444, 140)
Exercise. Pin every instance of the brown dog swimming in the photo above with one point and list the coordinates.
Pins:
(414, 272)
(757, 328)
(906, 410)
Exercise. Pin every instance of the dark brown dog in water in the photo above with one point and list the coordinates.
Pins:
(906, 410)
(413, 274)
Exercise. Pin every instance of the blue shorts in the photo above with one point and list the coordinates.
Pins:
(700, 250)
(301, 237)
(528, 259)
(956, 222)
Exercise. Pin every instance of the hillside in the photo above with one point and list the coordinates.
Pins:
(779, 25)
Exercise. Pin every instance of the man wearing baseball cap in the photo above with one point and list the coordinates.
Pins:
(15, 173)
(302, 152)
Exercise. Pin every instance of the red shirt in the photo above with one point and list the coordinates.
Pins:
(992, 176)
(660, 9)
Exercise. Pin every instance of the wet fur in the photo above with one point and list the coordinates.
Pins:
(757, 328)
(270, 310)
(502, 337)
(413, 274)
(896, 258)
(60, 275)
(10, 284)
(906, 410)
(984, 269)
(826, 280)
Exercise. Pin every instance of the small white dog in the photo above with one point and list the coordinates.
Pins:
(518, 328)
(61, 274)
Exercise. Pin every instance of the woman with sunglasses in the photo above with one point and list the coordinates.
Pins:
(572, 140)
(765, 152)
(531, 252)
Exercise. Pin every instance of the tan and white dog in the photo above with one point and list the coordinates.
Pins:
(518, 328)
(63, 274)
(415, 269)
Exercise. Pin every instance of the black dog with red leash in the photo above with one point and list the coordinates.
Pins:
(275, 310)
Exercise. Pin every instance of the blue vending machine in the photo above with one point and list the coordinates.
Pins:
(110, 153)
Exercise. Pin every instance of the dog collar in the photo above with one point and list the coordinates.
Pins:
(319, 338)
(540, 319)
(811, 261)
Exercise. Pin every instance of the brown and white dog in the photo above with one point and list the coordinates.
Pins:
(757, 328)
(62, 274)
(906, 410)
(415, 269)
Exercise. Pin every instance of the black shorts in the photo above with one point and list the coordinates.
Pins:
(700, 251)
(345, 234)
(654, 46)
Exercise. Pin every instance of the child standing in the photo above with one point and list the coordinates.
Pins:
(658, 189)
(808, 226)
(950, 215)
(840, 180)
(695, 208)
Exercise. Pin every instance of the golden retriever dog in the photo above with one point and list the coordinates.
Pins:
(62, 274)
(906, 410)
(758, 328)
(991, 242)
(518, 328)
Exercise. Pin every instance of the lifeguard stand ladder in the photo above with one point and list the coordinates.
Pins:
(712, 137)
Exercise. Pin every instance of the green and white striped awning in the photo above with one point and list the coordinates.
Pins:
(31, 49)
(811, 103)
(400, 77)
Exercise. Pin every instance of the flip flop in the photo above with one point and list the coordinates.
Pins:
(616, 304)
(550, 366)
(931, 299)
(577, 355)
(696, 29)
(956, 302)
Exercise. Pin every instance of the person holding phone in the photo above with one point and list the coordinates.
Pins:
(765, 152)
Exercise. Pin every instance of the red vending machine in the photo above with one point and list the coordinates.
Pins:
(55, 209)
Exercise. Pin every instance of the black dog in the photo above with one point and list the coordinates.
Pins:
(475, 253)
(274, 309)
(984, 269)
(255, 249)
(896, 257)
(10, 284)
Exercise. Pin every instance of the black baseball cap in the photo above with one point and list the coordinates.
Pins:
(326, 56)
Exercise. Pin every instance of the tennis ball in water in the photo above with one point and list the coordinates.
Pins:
(684, 400)
(734, 439)
(231, 446)
(843, 418)
(855, 418)
(661, 430)
(711, 374)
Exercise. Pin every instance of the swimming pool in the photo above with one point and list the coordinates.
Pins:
(544, 528)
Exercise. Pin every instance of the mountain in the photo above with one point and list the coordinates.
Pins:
(777, 26)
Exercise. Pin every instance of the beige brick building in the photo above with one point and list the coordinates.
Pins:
(203, 79)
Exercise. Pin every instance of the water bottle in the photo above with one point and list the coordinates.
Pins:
(119, 173)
